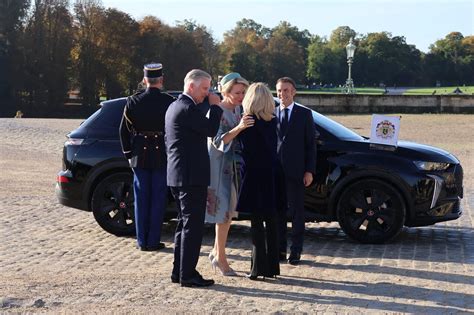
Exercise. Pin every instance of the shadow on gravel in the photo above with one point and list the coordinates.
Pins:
(389, 290)
(403, 272)
(424, 244)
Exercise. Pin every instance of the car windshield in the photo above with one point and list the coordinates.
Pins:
(335, 128)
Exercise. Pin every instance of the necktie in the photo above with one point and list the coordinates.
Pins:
(284, 122)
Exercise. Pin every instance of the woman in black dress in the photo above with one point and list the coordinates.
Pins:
(262, 193)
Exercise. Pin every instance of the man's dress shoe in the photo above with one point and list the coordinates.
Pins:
(152, 248)
(294, 258)
(174, 278)
(197, 281)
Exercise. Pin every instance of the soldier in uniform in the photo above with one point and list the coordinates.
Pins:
(142, 138)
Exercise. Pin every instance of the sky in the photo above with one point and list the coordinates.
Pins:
(421, 22)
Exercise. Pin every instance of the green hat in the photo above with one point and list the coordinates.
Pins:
(229, 77)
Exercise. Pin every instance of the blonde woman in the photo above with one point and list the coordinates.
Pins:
(262, 192)
(224, 153)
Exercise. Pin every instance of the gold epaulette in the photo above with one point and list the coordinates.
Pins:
(128, 122)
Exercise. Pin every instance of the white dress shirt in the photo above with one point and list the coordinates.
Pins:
(282, 108)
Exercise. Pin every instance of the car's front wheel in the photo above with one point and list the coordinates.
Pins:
(371, 211)
(112, 204)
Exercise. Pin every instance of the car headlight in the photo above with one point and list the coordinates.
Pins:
(431, 166)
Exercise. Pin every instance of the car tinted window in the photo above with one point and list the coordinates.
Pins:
(112, 113)
(90, 121)
(105, 122)
(335, 128)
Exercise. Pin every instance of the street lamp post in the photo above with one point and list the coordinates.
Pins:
(349, 86)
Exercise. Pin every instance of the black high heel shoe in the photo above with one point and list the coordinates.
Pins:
(251, 277)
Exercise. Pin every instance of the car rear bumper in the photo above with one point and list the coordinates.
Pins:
(67, 191)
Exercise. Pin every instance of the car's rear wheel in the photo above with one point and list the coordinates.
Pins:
(371, 211)
(112, 204)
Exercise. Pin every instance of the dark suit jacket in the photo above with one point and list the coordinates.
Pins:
(142, 128)
(298, 150)
(187, 129)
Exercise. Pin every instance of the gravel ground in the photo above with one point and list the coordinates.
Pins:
(55, 259)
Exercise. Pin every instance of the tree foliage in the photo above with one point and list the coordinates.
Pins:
(380, 58)
(242, 49)
(89, 16)
(387, 59)
(13, 13)
(118, 53)
(47, 44)
(451, 59)
(175, 47)
(207, 47)
(50, 46)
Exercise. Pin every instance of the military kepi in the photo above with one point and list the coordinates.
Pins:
(153, 70)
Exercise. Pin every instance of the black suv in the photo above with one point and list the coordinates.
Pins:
(372, 191)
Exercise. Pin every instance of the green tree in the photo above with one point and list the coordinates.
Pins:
(340, 37)
(323, 63)
(171, 46)
(118, 45)
(387, 59)
(243, 49)
(450, 60)
(47, 44)
(467, 60)
(287, 46)
(327, 61)
(249, 24)
(207, 46)
(284, 57)
(12, 15)
(89, 16)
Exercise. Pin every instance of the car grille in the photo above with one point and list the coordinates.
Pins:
(64, 158)
(456, 207)
(458, 178)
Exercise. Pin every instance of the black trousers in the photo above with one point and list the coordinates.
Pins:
(191, 203)
(295, 197)
(265, 242)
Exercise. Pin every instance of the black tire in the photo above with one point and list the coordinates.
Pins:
(112, 204)
(371, 211)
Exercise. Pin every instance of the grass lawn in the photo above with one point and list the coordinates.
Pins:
(378, 91)
(439, 90)
(372, 91)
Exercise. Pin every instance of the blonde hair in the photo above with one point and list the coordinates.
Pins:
(259, 101)
(226, 88)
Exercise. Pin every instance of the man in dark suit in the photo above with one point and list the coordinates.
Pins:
(142, 138)
(187, 129)
(297, 153)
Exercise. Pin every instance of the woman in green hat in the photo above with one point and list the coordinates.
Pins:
(224, 153)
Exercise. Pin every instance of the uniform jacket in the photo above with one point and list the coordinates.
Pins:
(142, 128)
(187, 129)
(297, 149)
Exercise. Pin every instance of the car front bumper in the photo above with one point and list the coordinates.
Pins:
(438, 197)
